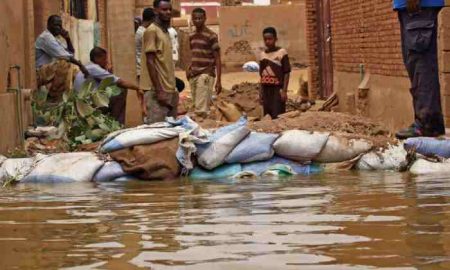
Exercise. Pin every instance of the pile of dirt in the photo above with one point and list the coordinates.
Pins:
(245, 97)
(348, 125)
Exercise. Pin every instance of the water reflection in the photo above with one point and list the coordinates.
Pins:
(333, 221)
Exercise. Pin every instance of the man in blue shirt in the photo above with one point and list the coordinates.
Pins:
(98, 70)
(55, 62)
(418, 24)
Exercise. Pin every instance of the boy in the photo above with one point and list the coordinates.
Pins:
(274, 69)
(206, 63)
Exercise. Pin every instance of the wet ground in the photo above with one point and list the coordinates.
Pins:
(345, 221)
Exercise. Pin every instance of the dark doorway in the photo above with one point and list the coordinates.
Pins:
(325, 47)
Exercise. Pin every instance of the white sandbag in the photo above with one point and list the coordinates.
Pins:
(15, 168)
(389, 159)
(300, 145)
(109, 172)
(139, 136)
(64, 167)
(255, 147)
(422, 166)
(222, 142)
(339, 149)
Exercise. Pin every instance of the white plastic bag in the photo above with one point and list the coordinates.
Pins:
(222, 142)
(339, 149)
(251, 66)
(64, 167)
(300, 145)
(389, 159)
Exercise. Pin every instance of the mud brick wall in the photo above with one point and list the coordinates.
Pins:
(368, 33)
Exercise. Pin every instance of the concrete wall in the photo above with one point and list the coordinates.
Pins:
(122, 50)
(388, 100)
(16, 45)
(241, 31)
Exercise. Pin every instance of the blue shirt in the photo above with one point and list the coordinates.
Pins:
(401, 4)
(96, 72)
(49, 48)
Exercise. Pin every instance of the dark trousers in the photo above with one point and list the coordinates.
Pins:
(419, 48)
(272, 103)
(118, 107)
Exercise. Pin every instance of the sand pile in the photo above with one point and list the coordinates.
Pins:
(349, 125)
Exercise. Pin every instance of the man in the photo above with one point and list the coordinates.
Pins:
(206, 63)
(158, 71)
(137, 23)
(418, 23)
(54, 59)
(98, 70)
(148, 16)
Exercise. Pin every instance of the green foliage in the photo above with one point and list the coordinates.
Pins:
(78, 115)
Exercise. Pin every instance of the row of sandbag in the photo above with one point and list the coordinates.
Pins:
(60, 168)
(433, 155)
(233, 144)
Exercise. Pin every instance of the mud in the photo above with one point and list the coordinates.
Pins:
(347, 125)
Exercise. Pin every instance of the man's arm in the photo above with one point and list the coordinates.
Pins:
(153, 73)
(285, 86)
(219, 71)
(286, 66)
(66, 36)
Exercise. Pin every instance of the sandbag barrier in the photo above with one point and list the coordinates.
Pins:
(182, 148)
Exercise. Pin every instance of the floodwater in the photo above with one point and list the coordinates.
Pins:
(332, 221)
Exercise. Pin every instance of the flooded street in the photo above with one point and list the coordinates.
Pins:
(345, 221)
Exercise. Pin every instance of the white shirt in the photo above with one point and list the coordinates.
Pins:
(49, 48)
(138, 39)
(175, 45)
(96, 72)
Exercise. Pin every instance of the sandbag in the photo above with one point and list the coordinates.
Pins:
(109, 172)
(422, 166)
(339, 149)
(222, 142)
(14, 168)
(139, 136)
(300, 145)
(255, 147)
(389, 159)
(222, 172)
(150, 162)
(429, 146)
(229, 111)
(64, 167)
(260, 167)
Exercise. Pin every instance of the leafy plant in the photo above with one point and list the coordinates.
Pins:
(79, 115)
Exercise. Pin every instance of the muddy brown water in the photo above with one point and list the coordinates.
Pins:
(332, 221)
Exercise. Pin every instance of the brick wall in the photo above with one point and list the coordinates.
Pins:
(368, 33)
(312, 41)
